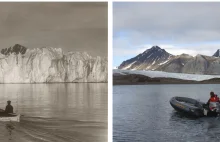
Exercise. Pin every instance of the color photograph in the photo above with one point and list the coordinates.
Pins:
(54, 71)
(166, 71)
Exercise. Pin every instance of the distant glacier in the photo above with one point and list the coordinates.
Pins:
(47, 64)
(161, 74)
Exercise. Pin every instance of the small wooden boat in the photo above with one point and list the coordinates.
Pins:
(10, 117)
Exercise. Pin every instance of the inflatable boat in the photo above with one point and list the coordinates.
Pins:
(10, 117)
(188, 106)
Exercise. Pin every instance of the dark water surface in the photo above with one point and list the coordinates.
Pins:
(143, 113)
(56, 112)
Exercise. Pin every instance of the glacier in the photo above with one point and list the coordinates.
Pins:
(154, 74)
(48, 64)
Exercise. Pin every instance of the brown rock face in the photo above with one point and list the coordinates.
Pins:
(158, 59)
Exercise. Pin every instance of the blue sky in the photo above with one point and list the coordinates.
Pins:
(190, 27)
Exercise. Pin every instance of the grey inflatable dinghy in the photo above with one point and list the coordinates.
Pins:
(187, 105)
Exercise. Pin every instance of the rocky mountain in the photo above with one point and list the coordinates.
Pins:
(16, 49)
(163, 61)
(217, 53)
(202, 64)
(22, 65)
(149, 59)
(176, 63)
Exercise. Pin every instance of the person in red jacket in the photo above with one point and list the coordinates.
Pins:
(212, 106)
(213, 98)
(213, 102)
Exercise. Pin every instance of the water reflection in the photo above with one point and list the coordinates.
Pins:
(70, 100)
(56, 112)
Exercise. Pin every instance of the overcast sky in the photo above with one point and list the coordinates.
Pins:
(188, 27)
(71, 26)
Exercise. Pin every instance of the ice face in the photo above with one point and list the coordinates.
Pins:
(49, 64)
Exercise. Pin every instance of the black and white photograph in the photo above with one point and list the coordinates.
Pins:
(166, 76)
(54, 71)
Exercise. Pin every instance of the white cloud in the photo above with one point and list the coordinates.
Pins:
(128, 51)
(204, 49)
(183, 27)
(179, 22)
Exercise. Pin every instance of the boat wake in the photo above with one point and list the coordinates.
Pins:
(38, 129)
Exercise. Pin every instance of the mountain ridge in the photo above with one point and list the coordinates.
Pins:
(217, 53)
(164, 61)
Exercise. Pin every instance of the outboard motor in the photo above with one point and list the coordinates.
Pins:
(214, 107)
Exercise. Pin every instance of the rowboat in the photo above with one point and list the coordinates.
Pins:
(10, 117)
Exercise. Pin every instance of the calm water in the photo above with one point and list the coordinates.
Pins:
(143, 113)
(56, 112)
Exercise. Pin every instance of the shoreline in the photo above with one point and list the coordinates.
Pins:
(137, 79)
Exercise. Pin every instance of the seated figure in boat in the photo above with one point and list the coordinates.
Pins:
(9, 107)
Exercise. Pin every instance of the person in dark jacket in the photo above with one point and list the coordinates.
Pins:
(9, 107)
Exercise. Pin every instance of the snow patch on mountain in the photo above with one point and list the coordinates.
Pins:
(150, 55)
(153, 63)
(127, 67)
(163, 62)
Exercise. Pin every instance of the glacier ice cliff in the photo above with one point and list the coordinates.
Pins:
(47, 64)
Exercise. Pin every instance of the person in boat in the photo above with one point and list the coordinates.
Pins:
(9, 107)
(213, 98)
(212, 106)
